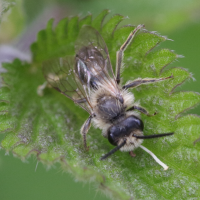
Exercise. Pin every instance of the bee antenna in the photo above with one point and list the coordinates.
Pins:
(152, 136)
(113, 150)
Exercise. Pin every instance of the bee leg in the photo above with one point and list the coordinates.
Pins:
(40, 89)
(142, 110)
(140, 81)
(122, 49)
(84, 130)
(197, 140)
(132, 154)
(113, 150)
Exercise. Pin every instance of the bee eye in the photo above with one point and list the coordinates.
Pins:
(112, 136)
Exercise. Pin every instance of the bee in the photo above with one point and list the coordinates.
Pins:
(88, 80)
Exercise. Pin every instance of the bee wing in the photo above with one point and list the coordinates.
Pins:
(91, 38)
(60, 74)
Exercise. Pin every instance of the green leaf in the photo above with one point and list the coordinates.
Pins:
(48, 126)
(97, 22)
(14, 20)
(111, 25)
(86, 21)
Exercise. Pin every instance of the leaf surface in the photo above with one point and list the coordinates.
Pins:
(48, 126)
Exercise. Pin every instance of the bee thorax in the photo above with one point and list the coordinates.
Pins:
(109, 109)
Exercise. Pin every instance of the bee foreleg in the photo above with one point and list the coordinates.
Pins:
(140, 81)
(121, 51)
(113, 150)
(142, 110)
(84, 130)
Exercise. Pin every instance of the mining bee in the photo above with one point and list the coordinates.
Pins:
(88, 79)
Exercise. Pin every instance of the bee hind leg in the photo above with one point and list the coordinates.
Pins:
(142, 110)
(121, 52)
(84, 130)
(140, 81)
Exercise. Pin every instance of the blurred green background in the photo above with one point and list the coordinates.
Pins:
(179, 20)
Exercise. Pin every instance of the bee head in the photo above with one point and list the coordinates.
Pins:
(124, 129)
